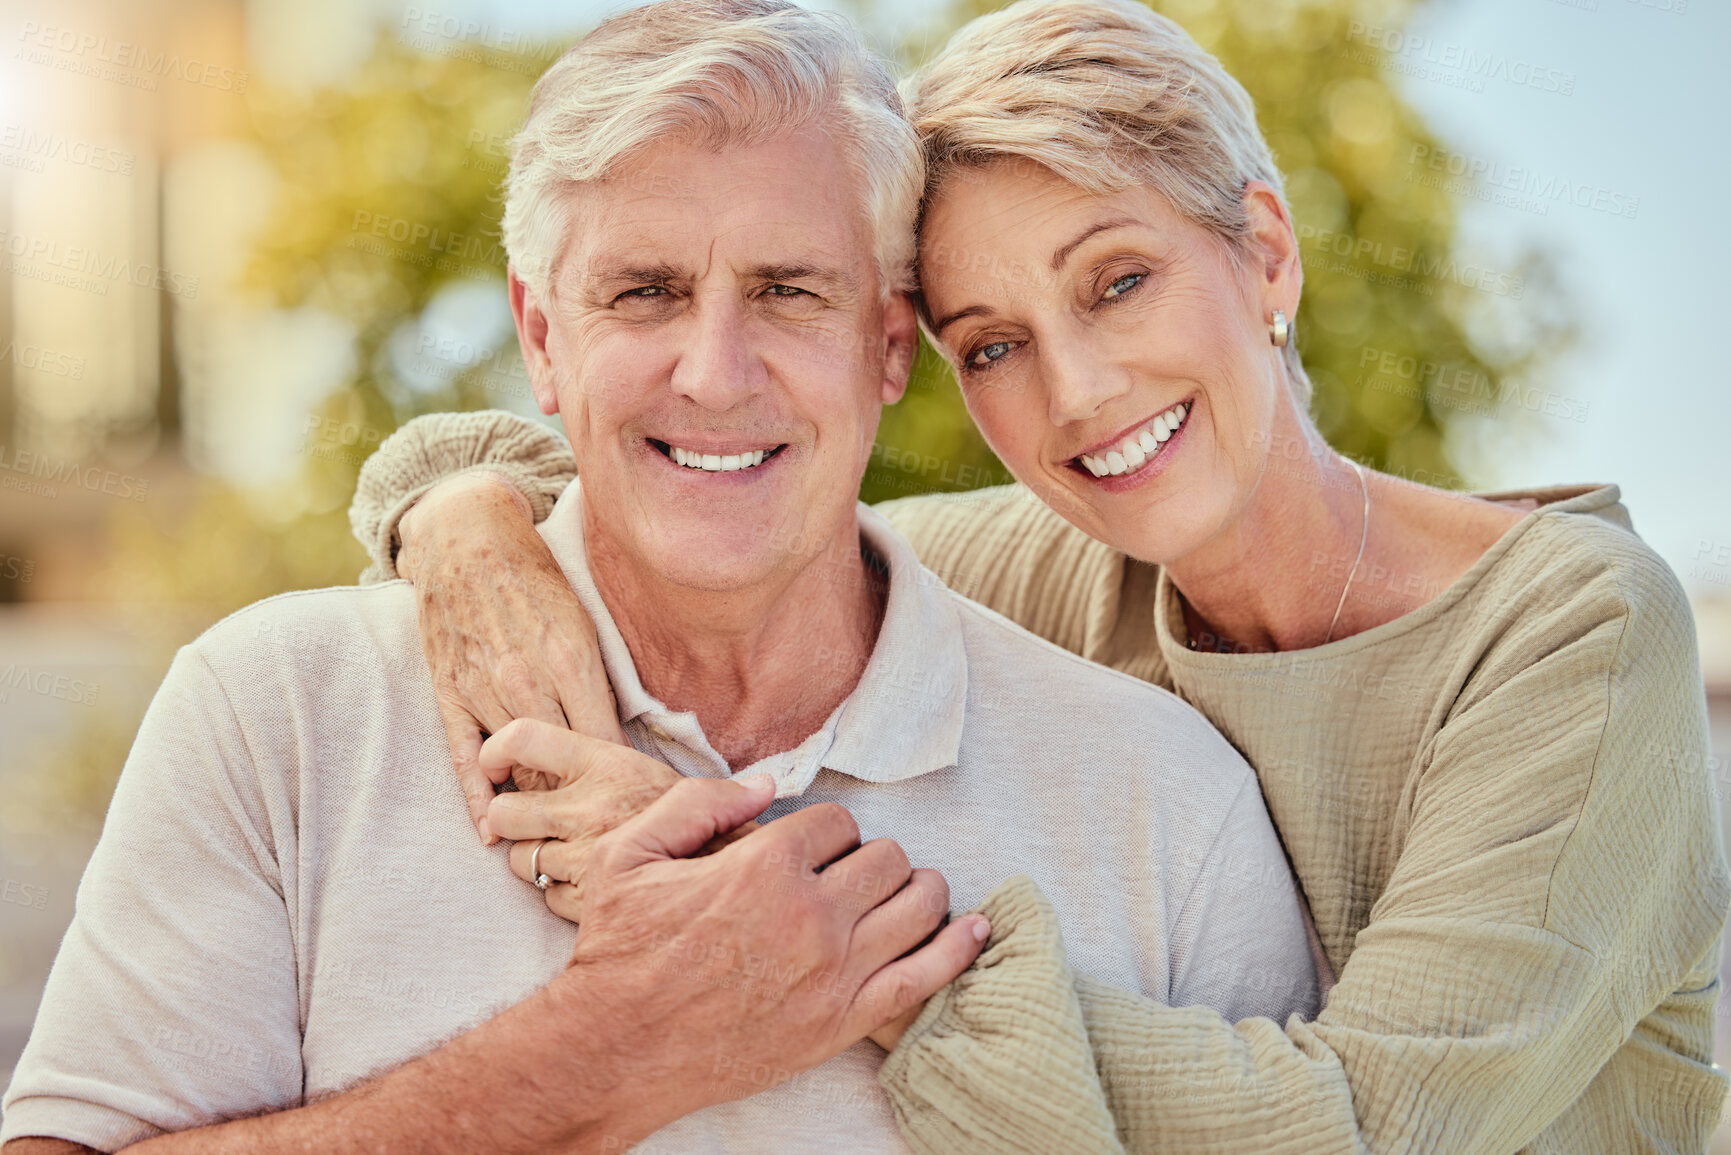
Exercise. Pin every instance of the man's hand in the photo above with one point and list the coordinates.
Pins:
(595, 787)
(773, 954)
(691, 977)
(504, 633)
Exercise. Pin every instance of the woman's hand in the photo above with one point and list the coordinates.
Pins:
(592, 787)
(888, 1035)
(504, 633)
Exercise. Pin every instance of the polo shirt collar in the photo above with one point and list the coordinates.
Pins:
(902, 720)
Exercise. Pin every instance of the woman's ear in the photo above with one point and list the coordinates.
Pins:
(532, 326)
(1273, 246)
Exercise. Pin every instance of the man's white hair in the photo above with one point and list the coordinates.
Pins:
(717, 73)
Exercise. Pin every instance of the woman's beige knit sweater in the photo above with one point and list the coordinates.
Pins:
(1499, 806)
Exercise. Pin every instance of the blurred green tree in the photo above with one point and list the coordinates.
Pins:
(392, 202)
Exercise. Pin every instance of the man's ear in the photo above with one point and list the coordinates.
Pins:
(1277, 273)
(532, 328)
(901, 343)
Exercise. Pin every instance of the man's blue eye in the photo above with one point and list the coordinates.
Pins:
(646, 291)
(786, 290)
(988, 353)
(1122, 285)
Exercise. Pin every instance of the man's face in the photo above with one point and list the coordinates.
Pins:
(720, 309)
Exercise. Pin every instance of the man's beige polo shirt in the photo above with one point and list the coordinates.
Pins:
(288, 897)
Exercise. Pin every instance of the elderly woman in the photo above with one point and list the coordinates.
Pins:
(1479, 725)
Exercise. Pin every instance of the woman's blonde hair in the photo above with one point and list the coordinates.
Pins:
(1106, 94)
(717, 73)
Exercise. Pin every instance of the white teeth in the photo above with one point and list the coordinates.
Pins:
(716, 463)
(1134, 451)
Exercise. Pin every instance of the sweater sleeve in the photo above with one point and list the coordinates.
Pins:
(1560, 889)
(429, 449)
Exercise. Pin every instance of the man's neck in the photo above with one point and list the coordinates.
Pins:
(763, 667)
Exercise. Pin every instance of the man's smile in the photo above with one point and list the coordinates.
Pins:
(716, 459)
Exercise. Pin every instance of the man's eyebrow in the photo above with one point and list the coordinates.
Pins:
(650, 274)
(800, 271)
(1063, 253)
(637, 274)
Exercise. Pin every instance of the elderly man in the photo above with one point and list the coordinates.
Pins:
(288, 936)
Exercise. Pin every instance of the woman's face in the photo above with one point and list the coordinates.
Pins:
(1083, 327)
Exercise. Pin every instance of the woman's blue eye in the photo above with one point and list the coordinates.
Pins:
(1122, 285)
(988, 353)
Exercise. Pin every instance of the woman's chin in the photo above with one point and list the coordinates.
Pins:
(1151, 538)
(1154, 522)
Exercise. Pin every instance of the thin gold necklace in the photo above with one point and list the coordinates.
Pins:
(1364, 536)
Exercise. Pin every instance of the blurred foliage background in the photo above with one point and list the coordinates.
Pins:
(389, 218)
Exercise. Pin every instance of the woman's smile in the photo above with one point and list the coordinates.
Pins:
(1132, 453)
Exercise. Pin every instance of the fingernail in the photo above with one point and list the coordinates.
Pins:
(982, 928)
(759, 784)
(486, 831)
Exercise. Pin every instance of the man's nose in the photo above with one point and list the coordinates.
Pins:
(718, 368)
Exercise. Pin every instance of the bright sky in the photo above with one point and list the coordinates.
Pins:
(1645, 121)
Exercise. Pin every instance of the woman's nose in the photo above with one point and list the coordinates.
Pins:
(1079, 381)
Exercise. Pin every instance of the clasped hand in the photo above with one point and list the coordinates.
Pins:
(590, 788)
(598, 787)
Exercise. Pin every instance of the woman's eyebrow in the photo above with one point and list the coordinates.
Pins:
(1058, 259)
(1063, 253)
(970, 311)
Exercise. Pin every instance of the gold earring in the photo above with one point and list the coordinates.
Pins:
(1278, 330)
